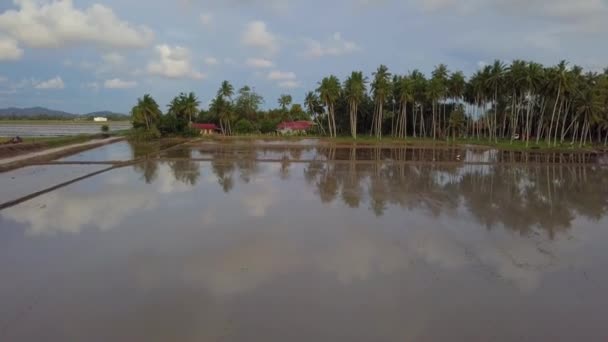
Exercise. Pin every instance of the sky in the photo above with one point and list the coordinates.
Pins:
(88, 55)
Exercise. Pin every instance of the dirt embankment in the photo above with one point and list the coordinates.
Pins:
(26, 155)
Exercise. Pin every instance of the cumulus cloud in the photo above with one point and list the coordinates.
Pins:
(53, 83)
(117, 83)
(211, 61)
(285, 79)
(9, 50)
(259, 63)
(174, 62)
(277, 75)
(333, 46)
(44, 24)
(257, 35)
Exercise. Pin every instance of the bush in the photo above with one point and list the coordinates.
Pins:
(268, 126)
(105, 128)
(142, 134)
(244, 126)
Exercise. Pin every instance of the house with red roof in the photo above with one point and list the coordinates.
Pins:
(206, 128)
(294, 127)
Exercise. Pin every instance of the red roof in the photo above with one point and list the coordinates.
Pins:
(295, 125)
(204, 126)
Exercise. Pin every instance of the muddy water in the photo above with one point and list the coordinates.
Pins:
(238, 249)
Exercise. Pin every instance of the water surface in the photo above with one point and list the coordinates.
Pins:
(237, 249)
(56, 129)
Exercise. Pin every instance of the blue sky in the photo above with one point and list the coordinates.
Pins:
(88, 55)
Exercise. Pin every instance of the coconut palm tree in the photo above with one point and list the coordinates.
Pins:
(226, 90)
(146, 110)
(190, 105)
(494, 83)
(381, 87)
(559, 78)
(313, 104)
(354, 90)
(329, 90)
(405, 94)
(285, 101)
(419, 85)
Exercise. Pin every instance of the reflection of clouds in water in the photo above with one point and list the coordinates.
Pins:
(354, 252)
(243, 266)
(70, 211)
(264, 195)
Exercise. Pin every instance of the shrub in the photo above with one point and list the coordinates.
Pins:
(142, 134)
(105, 128)
(268, 126)
(244, 126)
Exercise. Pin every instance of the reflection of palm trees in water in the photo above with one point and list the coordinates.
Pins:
(522, 198)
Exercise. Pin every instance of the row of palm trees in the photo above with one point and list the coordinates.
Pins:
(523, 100)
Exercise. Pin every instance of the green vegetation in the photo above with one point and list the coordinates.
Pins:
(105, 128)
(522, 104)
(50, 142)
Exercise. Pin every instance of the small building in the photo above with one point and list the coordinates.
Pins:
(206, 128)
(100, 119)
(294, 127)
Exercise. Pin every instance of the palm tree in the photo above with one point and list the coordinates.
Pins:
(225, 93)
(190, 105)
(354, 89)
(419, 84)
(405, 94)
(313, 104)
(558, 77)
(494, 82)
(226, 90)
(381, 87)
(329, 91)
(531, 83)
(146, 110)
(284, 101)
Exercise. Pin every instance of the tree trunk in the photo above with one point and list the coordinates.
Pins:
(559, 90)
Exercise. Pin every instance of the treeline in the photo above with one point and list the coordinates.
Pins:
(233, 112)
(525, 101)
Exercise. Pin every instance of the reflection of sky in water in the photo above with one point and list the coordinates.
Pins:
(269, 244)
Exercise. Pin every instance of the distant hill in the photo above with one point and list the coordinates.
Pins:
(41, 113)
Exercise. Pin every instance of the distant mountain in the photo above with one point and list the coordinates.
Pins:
(42, 113)
(34, 112)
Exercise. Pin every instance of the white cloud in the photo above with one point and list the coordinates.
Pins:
(259, 63)
(113, 58)
(9, 50)
(333, 46)
(53, 83)
(174, 62)
(289, 84)
(117, 83)
(257, 35)
(44, 24)
(277, 75)
(285, 79)
(206, 19)
(211, 61)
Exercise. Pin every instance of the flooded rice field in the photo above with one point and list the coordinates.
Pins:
(56, 129)
(220, 242)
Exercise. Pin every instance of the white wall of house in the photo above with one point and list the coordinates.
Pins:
(100, 119)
